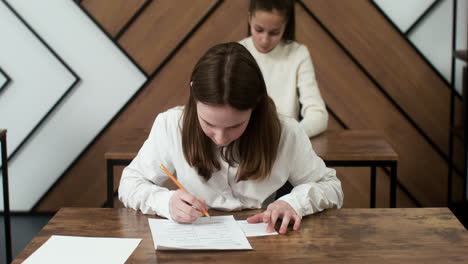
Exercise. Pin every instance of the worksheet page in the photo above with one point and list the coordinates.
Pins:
(216, 232)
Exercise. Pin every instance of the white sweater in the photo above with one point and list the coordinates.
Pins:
(316, 186)
(290, 79)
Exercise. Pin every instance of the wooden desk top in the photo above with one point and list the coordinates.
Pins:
(353, 145)
(2, 134)
(333, 145)
(415, 235)
(121, 153)
(128, 147)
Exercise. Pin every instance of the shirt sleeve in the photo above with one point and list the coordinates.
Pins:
(140, 185)
(316, 187)
(313, 110)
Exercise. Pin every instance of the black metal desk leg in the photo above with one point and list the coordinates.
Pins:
(6, 202)
(373, 183)
(393, 184)
(110, 184)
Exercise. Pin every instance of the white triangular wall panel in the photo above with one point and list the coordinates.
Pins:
(38, 78)
(433, 37)
(404, 12)
(108, 77)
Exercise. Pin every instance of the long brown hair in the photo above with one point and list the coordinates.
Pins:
(227, 74)
(284, 7)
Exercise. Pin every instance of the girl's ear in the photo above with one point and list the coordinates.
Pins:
(249, 17)
(191, 82)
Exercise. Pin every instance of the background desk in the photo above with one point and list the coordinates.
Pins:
(121, 154)
(416, 235)
(357, 148)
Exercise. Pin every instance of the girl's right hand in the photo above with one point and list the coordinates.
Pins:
(186, 208)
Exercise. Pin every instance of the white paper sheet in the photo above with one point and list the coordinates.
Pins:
(257, 229)
(79, 250)
(216, 232)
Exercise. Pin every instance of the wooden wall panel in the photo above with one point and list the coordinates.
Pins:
(112, 14)
(356, 100)
(160, 28)
(84, 184)
(347, 90)
(391, 60)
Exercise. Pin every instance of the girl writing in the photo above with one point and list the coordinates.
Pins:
(230, 150)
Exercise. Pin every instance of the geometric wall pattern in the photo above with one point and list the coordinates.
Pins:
(4, 79)
(370, 76)
(40, 77)
(428, 25)
(436, 28)
(68, 80)
(404, 13)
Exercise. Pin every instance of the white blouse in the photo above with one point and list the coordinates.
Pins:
(316, 187)
(290, 79)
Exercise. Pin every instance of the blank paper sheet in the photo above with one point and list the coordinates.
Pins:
(256, 229)
(79, 250)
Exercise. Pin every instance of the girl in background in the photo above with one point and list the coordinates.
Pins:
(286, 65)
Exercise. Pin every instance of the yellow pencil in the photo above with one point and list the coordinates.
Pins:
(177, 183)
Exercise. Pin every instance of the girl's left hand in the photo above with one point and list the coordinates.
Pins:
(277, 210)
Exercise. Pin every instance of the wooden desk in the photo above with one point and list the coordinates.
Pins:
(120, 155)
(356, 148)
(6, 196)
(359, 148)
(416, 235)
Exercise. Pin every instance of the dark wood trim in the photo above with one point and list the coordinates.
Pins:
(337, 118)
(423, 16)
(132, 19)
